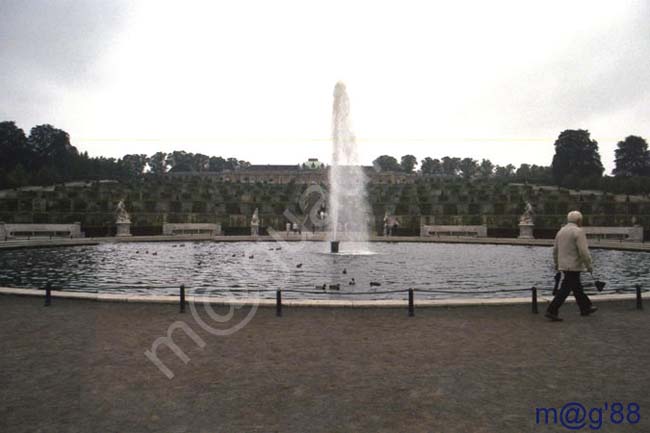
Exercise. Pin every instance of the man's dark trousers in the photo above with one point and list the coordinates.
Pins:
(570, 282)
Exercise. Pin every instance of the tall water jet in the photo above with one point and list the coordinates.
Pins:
(348, 204)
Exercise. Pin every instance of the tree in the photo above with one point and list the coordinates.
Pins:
(386, 163)
(632, 157)
(51, 145)
(101, 168)
(133, 165)
(486, 168)
(54, 158)
(450, 166)
(157, 163)
(540, 174)
(468, 167)
(17, 177)
(217, 164)
(200, 162)
(13, 144)
(408, 163)
(576, 157)
(13, 153)
(232, 164)
(504, 172)
(179, 160)
(523, 172)
(431, 166)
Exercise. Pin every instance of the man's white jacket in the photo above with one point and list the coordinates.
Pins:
(570, 249)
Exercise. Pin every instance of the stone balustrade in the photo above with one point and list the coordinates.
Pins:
(36, 231)
(456, 231)
(171, 229)
(628, 234)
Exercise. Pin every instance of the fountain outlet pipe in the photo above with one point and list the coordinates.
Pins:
(334, 246)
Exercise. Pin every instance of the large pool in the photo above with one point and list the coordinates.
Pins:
(244, 268)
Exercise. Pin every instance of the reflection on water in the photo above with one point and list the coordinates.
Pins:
(211, 268)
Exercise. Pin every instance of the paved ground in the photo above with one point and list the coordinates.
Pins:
(79, 366)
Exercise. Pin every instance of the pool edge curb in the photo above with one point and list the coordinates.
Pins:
(380, 303)
(91, 241)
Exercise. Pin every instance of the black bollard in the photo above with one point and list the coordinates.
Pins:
(411, 307)
(534, 294)
(278, 303)
(48, 294)
(639, 300)
(182, 305)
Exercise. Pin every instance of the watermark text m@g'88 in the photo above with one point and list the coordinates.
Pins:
(575, 416)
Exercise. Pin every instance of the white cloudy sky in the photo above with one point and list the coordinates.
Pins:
(254, 79)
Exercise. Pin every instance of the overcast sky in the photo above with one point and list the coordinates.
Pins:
(254, 79)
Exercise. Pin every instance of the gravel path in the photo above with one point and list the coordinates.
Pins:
(79, 366)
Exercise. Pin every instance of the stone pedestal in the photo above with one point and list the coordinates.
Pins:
(526, 231)
(123, 230)
(255, 230)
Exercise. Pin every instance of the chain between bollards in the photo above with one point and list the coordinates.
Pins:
(411, 306)
(182, 298)
(534, 295)
(48, 294)
(278, 303)
(639, 299)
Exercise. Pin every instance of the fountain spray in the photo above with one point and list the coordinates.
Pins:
(348, 204)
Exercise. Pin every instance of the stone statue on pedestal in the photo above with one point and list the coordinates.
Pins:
(122, 220)
(121, 215)
(528, 217)
(390, 224)
(255, 223)
(386, 223)
(527, 222)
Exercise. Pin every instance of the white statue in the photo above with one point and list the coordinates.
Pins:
(528, 217)
(390, 224)
(121, 215)
(255, 223)
(386, 223)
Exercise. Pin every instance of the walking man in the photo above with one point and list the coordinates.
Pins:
(571, 256)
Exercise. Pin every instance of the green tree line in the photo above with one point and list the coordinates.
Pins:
(47, 157)
(576, 163)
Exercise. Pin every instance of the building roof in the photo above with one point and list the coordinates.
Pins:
(269, 167)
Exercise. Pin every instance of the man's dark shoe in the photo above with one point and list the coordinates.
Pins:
(591, 310)
(552, 317)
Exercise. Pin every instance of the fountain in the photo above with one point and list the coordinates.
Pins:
(348, 206)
